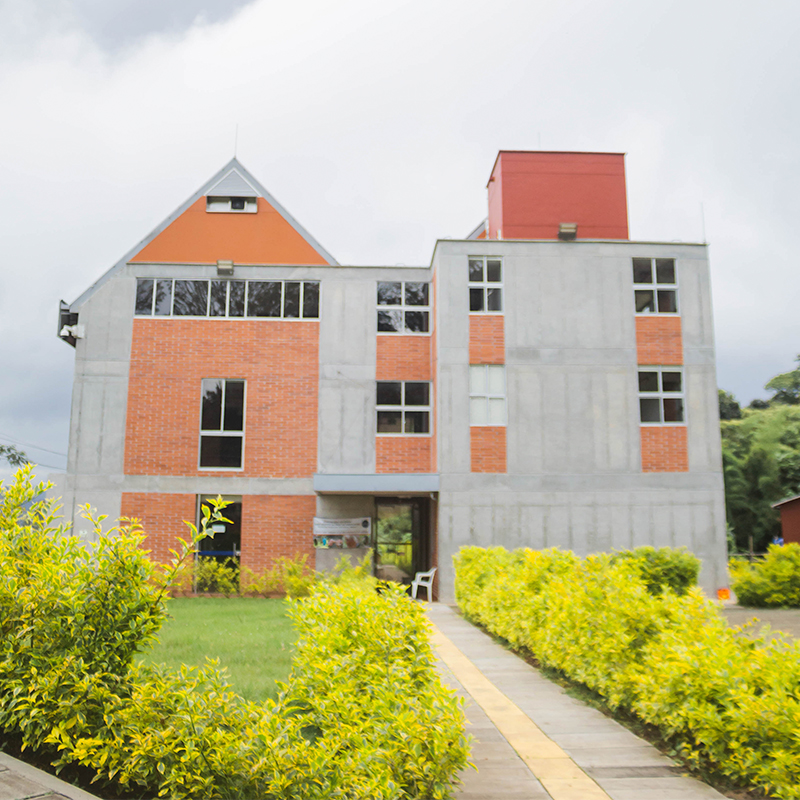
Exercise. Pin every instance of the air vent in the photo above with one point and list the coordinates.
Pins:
(232, 205)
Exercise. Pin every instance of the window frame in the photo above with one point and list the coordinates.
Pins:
(485, 285)
(402, 408)
(250, 204)
(227, 316)
(488, 396)
(662, 395)
(221, 432)
(403, 307)
(655, 286)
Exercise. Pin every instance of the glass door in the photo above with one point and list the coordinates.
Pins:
(401, 538)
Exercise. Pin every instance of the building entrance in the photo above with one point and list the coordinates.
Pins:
(402, 538)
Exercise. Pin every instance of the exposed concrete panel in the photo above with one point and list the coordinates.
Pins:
(347, 390)
(585, 523)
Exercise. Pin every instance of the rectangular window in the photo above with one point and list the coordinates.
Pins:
(655, 286)
(221, 424)
(487, 394)
(403, 307)
(164, 297)
(485, 284)
(661, 396)
(403, 407)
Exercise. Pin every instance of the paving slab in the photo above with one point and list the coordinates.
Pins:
(20, 781)
(786, 620)
(533, 740)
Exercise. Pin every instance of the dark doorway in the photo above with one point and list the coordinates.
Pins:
(402, 538)
(227, 539)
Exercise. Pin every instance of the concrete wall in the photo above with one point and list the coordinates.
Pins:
(574, 475)
(348, 347)
(100, 392)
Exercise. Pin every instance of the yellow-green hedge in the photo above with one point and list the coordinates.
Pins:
(724, 698)
(771, 583)
(363, 715)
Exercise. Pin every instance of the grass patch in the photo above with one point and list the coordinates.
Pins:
(252, 638)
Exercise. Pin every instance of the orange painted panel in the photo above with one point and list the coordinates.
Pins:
(488, 448)
(278, 359)
(659, 340)
(487, 339)
(275, 526)
(402, 454)
(532, 192)
(162, 517)
(665, 449)
(403, 358)
(200, 237)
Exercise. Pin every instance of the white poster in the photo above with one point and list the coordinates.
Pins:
(342, 533)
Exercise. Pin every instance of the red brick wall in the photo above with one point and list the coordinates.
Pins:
(277, 525)
(434, 369)
(659, 340)
(404, 454)
(488, 448)
(664, 449)
(403, 358)
(487, 341)
(169, 358)
(162, 517)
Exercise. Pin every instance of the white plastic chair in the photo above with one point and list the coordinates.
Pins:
(424, 579)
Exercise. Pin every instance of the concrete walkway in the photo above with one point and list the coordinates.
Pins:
(20, 781)
(534, 741)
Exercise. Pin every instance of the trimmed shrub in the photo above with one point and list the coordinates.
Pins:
(364, 714)
(723, 698)
(771, 583)
(663, 568)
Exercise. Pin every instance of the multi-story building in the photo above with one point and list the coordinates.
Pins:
(543, 382)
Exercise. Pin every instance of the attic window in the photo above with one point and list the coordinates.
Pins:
(234, 205)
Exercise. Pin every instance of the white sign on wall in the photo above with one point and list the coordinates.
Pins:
(342, 533)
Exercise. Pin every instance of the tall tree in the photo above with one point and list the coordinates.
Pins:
(729, 408)
(786, 386)
(13, 455)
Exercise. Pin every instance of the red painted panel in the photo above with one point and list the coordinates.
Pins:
(790, 522)
(530, 193)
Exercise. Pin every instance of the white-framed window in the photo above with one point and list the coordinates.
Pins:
(403, 407)
(485, 284)
(487, 394)
(165, 297)
(403, 307)
(655, 285)
(232, 205)
(661, 396)
(222, 423)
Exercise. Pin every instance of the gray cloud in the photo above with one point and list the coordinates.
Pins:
(110, 24)
(376, 125)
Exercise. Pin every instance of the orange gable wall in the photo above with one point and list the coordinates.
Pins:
(200, 237)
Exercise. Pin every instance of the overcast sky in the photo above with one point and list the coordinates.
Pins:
(376, 126)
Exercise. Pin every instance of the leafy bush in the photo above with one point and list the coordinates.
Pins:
(723, 698)
(364, 713)
(771, 583)
(664, 568)
(219, 577)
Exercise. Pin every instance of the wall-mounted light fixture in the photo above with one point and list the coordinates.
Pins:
(567, 231)
(224, 267)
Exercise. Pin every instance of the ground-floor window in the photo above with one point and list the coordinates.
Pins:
(227, 539)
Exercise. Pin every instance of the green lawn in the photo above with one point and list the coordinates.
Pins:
(252, 638)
